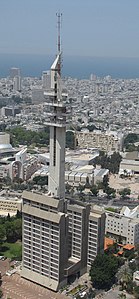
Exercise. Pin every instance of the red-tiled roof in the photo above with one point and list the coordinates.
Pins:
(108, 242)
(128, 247)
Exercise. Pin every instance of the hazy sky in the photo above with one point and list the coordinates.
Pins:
(89, 28)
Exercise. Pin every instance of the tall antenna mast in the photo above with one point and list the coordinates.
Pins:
(59, 16)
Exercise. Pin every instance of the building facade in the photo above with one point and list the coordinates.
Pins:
(123, 227)
(45, 233)
(96, 232)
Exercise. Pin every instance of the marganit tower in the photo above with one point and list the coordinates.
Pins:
(45, 221)
(56, 233)
(57, 127)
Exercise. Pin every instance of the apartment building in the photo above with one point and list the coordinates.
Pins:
(78, 215)
(108, 141)
(96, 232)
(57, 242)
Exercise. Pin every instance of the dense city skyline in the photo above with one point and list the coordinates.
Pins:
(90, 28)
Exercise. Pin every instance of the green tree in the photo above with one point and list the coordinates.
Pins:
(94, 189)
(91, 128)
(130, 139)
(115, 161)
(18, 214)
(109, 162)
(105, 182)
(103, 271)
(126, 280)
(41, 180)
(16, 252)
(91, 293)
(110, 192)
(112, 249)
(87, 184)
(136, 292)
(17, 224)
(68, 188)
(80, 188)
(70, 140)
(1, 293)
(2, 233)
(22, 136)
(10, 233)
(13, 230)
(124, 192)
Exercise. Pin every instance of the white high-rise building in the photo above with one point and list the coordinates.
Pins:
(46, 80)
(14, 71)
(17, 83)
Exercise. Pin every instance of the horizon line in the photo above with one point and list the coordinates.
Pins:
(72, 55)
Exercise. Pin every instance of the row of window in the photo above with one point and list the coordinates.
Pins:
(51, 274)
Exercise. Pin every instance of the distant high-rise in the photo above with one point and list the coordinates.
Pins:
(17, 83)
(46, 80)
(14, 71)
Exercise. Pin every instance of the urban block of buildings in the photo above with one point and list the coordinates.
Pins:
(16, 163)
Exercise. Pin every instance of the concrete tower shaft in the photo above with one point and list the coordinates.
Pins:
(57, 123)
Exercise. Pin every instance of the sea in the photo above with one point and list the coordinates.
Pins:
(72, 66)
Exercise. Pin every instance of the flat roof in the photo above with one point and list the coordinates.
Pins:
(129, 162)
(44, 199)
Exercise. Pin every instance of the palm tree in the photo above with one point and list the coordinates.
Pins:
(126, 278)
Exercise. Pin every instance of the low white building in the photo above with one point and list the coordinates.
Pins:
(10, 203)
(99, 174)
(123, 226)
(130, 166)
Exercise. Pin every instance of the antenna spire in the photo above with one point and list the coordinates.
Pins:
(59, 16)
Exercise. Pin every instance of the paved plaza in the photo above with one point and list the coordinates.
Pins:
(16, 287)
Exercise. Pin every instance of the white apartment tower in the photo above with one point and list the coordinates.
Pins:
(46, 80)
(14, 71)
(17, 83)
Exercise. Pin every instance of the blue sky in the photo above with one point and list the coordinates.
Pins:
(106, 28)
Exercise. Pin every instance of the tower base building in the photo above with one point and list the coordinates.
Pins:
(59, 242)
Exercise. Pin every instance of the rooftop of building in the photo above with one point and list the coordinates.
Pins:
(129, 162)
(128, 247)
(108, 242)
(132, 213)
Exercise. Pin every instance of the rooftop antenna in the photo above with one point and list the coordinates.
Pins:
(59, 17)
